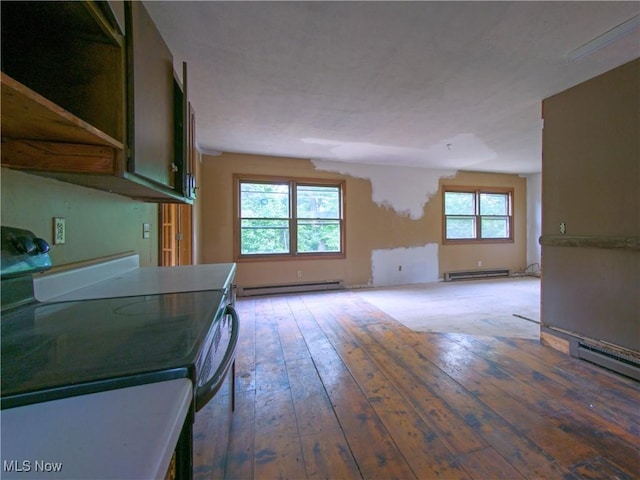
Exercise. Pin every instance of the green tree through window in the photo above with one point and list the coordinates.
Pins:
(477, 215)
(289, 218)
(264, 212)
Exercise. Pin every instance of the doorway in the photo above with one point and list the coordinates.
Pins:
(176, 234)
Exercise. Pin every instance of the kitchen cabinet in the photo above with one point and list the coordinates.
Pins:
(150, 106)
(70, 53)
(84, 103)
(185, 142)
(192, 155)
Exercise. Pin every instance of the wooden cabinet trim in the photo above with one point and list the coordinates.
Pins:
(59, 157)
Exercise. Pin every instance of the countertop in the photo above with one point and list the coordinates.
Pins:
(125, 433)
(124, 278)
(129, 432)
(62, 349)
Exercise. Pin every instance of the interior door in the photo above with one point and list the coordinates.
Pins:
(176, 234)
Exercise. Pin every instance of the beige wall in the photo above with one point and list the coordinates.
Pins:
(496, 255)
(591, 182)
(377, 236)
(534, 220)
(97, 223)
(196, 216)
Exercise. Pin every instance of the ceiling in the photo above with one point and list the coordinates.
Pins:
(453, 85)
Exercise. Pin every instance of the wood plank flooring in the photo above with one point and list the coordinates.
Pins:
(328, 386)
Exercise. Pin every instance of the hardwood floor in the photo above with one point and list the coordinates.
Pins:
(328, 386)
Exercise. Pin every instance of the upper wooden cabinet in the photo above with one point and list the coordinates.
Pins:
(185, 156)
(83, 103)
(150, 110)
(70, 54)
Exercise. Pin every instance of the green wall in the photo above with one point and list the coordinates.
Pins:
(97, 223)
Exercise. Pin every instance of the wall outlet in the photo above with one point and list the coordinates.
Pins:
(59, 231)
(479, 263)
(146, 230)
(299, 273)
(563, 228)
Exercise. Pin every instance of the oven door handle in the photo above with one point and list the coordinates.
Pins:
(209, 389)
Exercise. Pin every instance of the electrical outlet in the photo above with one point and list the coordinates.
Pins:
(479, 263)
(146, 230)
(299, 273)
(563, 228)
(59, 231)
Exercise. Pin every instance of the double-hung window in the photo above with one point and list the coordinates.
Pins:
(478, 215)
(289, 218)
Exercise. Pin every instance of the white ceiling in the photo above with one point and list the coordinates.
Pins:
(455, 85)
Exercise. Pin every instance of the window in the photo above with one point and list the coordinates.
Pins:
(290, 218)
(477, 215)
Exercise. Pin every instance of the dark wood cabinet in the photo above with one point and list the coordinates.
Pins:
(80, 72)
(150, 92)
(84, 103)
(185, 142)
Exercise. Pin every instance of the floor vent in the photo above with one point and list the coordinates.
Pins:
(609, 359)
(472, 274)
(290, 288)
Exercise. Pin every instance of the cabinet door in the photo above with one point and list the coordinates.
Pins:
(185, 140)
(149, 98)
(190, 171)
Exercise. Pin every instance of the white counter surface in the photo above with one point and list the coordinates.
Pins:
(128, 433)
(123, 278)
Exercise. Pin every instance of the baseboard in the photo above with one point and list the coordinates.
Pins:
(560, 344)
(290, 288)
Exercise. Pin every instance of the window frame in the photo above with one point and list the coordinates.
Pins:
(477, 191)
(293, 183)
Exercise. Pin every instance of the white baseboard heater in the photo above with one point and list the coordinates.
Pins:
(471, 274)
(290, 288)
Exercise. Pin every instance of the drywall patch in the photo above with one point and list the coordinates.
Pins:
(404, 266)
(404, 189)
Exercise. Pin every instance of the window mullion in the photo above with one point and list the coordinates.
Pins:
(478, 221)
(293, 223)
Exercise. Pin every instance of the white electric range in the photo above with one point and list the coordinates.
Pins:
(110, 339)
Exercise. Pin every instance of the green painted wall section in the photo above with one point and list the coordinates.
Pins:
(98, 224)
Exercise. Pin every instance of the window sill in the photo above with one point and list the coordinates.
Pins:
(289, 257)
(475, 241)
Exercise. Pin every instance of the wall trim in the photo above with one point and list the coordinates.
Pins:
(593, 241)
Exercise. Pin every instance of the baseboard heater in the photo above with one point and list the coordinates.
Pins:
(604, 357)
(291, 288)
(471, 274)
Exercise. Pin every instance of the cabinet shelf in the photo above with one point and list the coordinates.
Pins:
(40, 137)
(28, 115)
